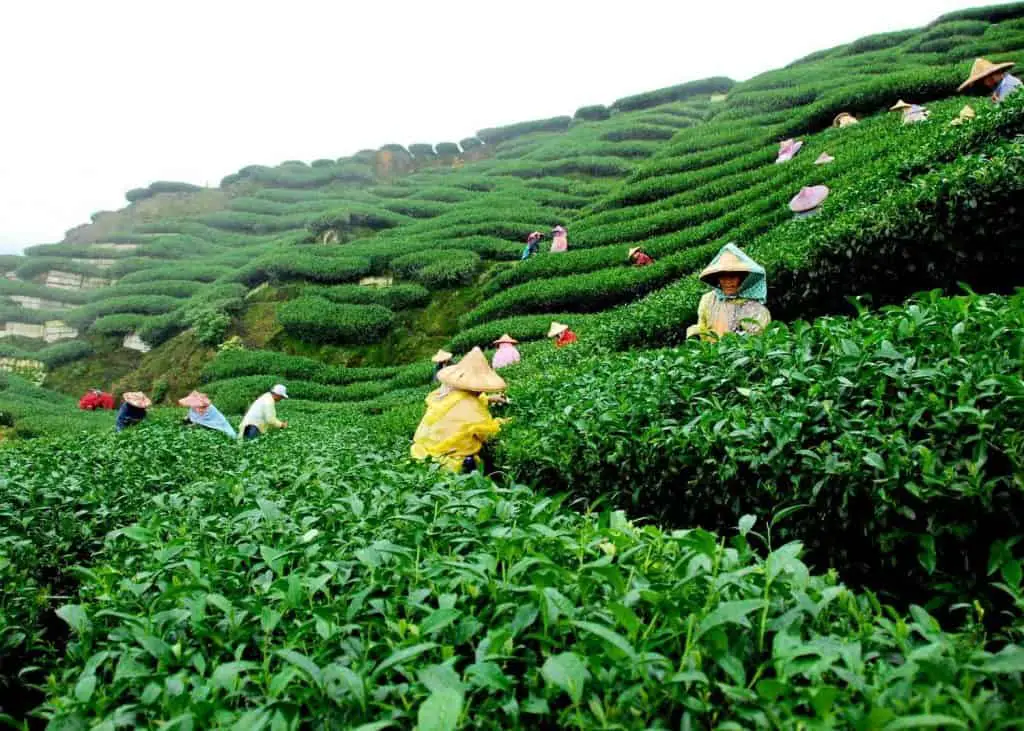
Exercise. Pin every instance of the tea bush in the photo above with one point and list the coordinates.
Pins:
(118, 324)
(319, 320)
(394, 297)
(420, 599)
(894, 432)
(139, 304)
(524, 328)
(452, 268)
(713, 85)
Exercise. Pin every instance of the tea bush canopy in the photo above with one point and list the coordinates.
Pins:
(815, 527)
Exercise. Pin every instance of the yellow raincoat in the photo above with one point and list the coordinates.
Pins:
(456, 425)
(717, 317)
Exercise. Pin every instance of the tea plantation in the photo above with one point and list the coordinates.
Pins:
(816, 528)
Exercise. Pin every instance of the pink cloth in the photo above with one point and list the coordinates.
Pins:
(788, 149)
(560, 242)
(507, 355)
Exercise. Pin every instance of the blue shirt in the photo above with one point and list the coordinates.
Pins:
(1007, 86)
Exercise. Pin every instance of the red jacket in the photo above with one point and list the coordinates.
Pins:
(566, 338)
(640, 259)
(92, 401)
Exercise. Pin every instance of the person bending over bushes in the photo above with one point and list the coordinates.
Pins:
(441, 360)
(202, 412)
(263, 413)
(994, 76)
(736, 302)
(562, 334)
(133, 410)
(458, 421)
(532, 245)
(639, 258)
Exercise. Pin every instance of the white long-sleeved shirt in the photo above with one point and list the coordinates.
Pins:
(261, 414)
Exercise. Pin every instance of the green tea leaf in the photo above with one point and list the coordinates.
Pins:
(440, 711)
(568, 672)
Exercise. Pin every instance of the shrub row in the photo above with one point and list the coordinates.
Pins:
(286, 265)
(495, 135)
(894, 434)
(524, 328)
(453, 268)
(318, 320)
(395, 297)
(193, 272)
(160, 186)
(713, 85)
(235, 363)
(121, 323)
(139, 304)
(166, 287)
(51, 356)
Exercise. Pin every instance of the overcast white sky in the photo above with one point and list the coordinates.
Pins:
(102, 96)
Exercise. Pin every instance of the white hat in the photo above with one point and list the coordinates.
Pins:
(279, 390)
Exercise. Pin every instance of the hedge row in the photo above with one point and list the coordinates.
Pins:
(713, 85)
(17, 287)
(235, 363)
(160, 186)
(286, 265)
(395, 297)
(437, 270)
(318, 320)
(138, 304)
(524, 328)
(895, 434)
(495, 135)
(168, 287)
(51, 356)
(189, 271)
(234, 395)
(121, 323)
(588, 292)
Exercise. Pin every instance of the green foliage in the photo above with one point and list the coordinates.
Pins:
(422, 151)
(142, 304)
(453, 268)
(117, 324)
(318, 320)
(395, 297)
(495, 135)
(593, 113)
(177, 272)
(990, 13)
(300, 265)
(595, 619)
(53, 355)
(895, 432)
(713, 85)
(524, 328)
(447, 149)
(470, 143)
(160, 186)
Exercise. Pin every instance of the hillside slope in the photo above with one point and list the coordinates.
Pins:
(374, 260)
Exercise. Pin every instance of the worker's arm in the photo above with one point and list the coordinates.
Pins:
(270, 415)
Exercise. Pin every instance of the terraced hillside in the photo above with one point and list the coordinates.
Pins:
(367, 263)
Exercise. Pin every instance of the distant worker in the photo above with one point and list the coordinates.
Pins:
(202, 412)
(736, 302)
(562, 334)
(788, 150)
(96, 399)
(994, 77)
(824, 159)
(133, 409)
(507, 352)
(458, 421)
(808, 201)
(263, 414)
(441, 359)
(911, 112)
(532, 245)
(966, 115)
(559, 239)
(638, 257)
(844, 119)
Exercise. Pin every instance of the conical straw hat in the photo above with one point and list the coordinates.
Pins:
(809, 198)
(556, 329)
(441, 356)
(472, 373)
(195, 400)
(983, 67)
(899, 105)
(967, 112)
(824, 159)
(728, 263)
(506, 338)
(843, 119)
(137, 399)
(632, 251)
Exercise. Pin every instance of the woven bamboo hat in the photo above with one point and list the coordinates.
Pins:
(137, 399)
(633, 251)
(728, 263)
(441, 356)
(899, 105)
(195, 400)
(506, 338)
(844, 119)
(472, 373)
(556, 329)
(983, 67)
(809, 198)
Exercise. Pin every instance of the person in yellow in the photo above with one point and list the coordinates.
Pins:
(263, 414)
(736, 302)
(457, 421)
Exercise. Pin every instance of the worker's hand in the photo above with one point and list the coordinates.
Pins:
(284, 424)
(994, 98)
